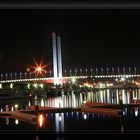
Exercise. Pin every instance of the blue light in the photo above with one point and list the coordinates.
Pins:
(93, 115)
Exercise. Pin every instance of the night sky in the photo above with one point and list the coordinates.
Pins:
(90, 38)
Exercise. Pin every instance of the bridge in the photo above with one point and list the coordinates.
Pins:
(58, 76)
(66, 79)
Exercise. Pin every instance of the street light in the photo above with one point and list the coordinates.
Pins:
(135, 70)
(70, 72)
(30, 75)
(11, 75)
(75, 72)
(1, 76)
(118, 71)
(6, 75)
(15, 75)
(80, 71)
(50, 72)
(86, 71)
(65, 72)
(112, 71)
(129, 70)
(25, 74)
(102, 70)
(124, 70)
(91, 71)
(96, 71)
(45, 73)
(107, 70)
(20, 74)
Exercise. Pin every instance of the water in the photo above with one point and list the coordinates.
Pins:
(60, 123)
(77, 121)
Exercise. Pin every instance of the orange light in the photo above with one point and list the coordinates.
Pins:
(41, 119)
(39, 68)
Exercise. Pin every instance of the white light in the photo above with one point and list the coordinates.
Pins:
(136, 112)
(42, 102)
(0, 86)
(40, 120)
(39, 69)
(122, 79)
(16, 121)
(135, 98)
(12, 109)
(85, 116)
(73, 80)
(35, 85)
(28, 86)
(84, 102)
(116, 80)
(11, 85)
(1, 110)
(60, 118)
(126, 76)
(41, 85)
(16, 106)
(29, 104)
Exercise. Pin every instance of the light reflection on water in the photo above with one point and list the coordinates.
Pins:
(61, 122)
(76, 99)
(100, 96)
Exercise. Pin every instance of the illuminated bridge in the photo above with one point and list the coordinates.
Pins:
(66, 79)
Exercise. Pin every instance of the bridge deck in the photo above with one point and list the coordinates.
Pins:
(64, 79)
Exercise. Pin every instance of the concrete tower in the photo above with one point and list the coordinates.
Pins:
(54, 58)
(57, 57)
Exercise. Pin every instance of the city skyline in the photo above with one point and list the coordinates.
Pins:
(90, 38)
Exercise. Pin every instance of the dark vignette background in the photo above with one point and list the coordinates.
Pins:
(90, 37)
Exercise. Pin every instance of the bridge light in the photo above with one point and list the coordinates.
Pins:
(11, 85)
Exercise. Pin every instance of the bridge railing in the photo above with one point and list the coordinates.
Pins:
(105, 72)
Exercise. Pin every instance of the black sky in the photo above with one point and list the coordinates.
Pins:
(90, 38)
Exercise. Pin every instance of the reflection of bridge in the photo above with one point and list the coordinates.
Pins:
(65, 79)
